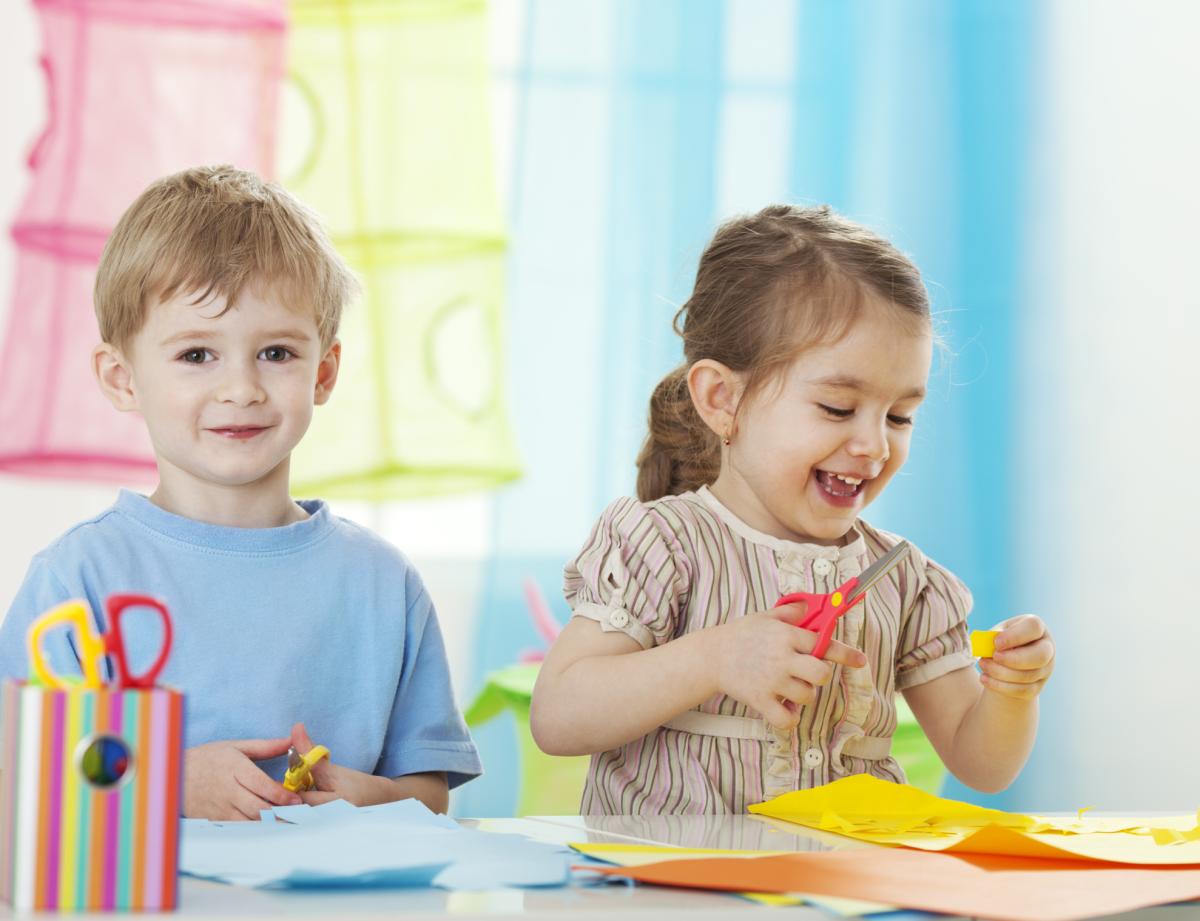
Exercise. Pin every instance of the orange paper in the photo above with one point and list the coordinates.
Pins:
(983, 886)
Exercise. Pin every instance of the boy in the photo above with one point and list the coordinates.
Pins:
(219, 298)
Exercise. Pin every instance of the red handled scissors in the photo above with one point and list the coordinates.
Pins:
(824, 610)
(93, 646)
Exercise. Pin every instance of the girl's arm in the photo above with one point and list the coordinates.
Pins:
(597, 691)
(983, 726)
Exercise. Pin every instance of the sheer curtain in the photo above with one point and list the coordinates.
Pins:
(636, 128)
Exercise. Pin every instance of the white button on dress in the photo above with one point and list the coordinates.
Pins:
(822, 567)
(813, 758)
(618, 619)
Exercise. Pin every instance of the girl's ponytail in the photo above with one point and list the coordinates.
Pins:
(680, 452)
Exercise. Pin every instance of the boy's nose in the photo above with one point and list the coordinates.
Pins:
(241, 388)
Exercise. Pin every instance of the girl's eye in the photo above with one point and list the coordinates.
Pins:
(275, 353)
(835, 412)
(900, 420)
(195, 356)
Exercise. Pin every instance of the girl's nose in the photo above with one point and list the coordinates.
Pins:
(870, 441)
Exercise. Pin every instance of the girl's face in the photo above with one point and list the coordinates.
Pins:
(812, 450)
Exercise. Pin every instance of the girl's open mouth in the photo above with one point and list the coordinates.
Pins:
(839, 485)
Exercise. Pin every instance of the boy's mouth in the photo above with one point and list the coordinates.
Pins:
(840, 485)
(239, 431)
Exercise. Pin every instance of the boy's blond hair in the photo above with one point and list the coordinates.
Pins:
(214, 230)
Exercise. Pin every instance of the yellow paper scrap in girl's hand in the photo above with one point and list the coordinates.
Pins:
(983, 643)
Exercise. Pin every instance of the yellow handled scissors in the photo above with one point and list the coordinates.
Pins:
(76, 616)
(299, 772)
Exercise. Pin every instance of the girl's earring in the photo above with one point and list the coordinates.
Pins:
(726, 440)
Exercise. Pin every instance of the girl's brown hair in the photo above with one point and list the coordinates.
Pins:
(769, 286)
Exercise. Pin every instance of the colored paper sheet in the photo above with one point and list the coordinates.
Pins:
(869, 809)
(636, 855)
(864, 805)
(339, 846)
(982, 886)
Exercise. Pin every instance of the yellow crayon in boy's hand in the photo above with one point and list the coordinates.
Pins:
(983, 643)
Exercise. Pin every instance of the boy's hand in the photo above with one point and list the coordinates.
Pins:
(222, 782)
(1023, 661)
(335, 781)
(764, 660)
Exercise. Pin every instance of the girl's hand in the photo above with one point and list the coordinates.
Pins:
(764, 661)
(222, 782)
(1023, 661)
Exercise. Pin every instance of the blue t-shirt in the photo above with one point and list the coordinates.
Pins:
(320, 622)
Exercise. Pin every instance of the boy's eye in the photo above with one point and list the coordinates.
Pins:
(195, 356)
(900, 420)
(835, 412)
(275, 353)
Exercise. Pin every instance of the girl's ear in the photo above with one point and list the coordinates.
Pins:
(327, 372)
(114, 374)
(716, 391)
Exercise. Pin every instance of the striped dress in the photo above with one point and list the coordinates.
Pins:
(657, 570)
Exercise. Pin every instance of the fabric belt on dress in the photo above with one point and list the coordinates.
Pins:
(869, 748)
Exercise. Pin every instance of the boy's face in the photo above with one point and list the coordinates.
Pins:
(227, 396)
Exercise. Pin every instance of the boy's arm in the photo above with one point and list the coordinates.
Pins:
(426, 733)
(336, 781)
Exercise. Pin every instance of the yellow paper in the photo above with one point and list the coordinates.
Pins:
(983, 643)
(869, 809)
(863, 806)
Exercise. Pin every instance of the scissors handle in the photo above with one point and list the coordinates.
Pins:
(115, 607)
(74, 613)
(823, 611)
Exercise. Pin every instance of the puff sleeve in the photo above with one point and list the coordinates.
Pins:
(631, 575)
(933, 632)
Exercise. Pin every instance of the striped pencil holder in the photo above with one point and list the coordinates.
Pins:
(91, 797)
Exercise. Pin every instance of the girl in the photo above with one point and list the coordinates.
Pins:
(807, 345)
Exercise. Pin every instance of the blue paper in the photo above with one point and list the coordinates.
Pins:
(337, 845)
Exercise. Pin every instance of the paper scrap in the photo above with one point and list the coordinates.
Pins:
(869, 809)
(983, 643)
(337, 845)
(982, 886)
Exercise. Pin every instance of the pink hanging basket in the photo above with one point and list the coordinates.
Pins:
(135, 91)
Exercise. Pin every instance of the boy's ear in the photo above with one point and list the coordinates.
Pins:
(115, 376)
(716, 391)
(327, 372)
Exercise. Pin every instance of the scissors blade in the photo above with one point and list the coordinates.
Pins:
(880, 568)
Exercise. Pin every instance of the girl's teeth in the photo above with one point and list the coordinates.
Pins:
(853, 481)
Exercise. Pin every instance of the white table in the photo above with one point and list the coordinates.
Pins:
(206, 900)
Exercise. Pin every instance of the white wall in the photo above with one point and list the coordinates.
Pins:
(1110, 496)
